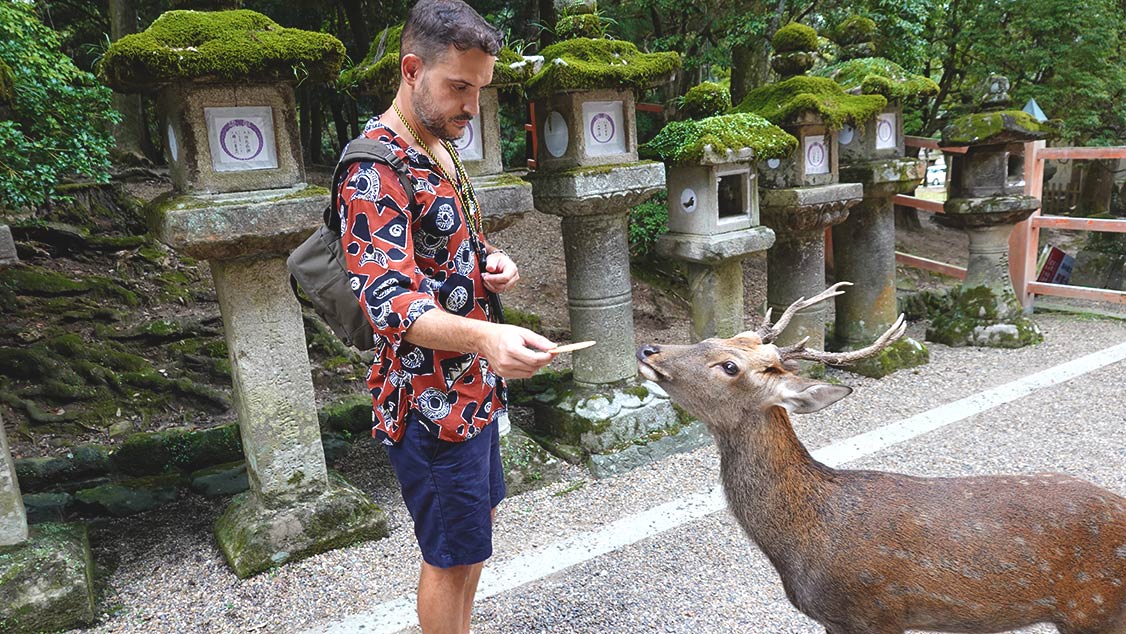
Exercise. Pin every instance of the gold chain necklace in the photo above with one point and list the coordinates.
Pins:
(462, 186)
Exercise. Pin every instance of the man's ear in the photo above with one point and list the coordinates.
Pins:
(411, 68)
(802, 396)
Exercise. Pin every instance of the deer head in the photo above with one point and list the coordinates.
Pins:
(726, 381)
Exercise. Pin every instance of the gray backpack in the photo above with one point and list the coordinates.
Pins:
(318, 265)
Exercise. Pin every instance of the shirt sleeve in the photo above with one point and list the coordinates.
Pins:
(379, 251)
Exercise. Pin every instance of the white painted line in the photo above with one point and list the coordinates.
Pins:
(392, 616)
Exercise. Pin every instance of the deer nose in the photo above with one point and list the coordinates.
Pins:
(647, 350)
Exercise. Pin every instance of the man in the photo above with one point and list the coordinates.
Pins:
(424, 275)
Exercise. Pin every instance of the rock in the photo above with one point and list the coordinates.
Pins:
(187, 449)
(335, 446)
(224, 479)
(46, 507)
(45, 582)
(130, 496)
(527, 465)
(351, 414)
(85, 461)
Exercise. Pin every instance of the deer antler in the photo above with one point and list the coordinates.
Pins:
(799, 351)
(768, 331)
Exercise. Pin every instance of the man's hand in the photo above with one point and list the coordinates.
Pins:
(500, 273)
(510, 352)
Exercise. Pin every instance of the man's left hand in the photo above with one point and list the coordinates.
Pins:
(501, 273)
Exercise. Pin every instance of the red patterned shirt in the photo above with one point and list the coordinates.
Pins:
(406, 256)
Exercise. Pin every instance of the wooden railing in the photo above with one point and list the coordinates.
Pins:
(930, 206)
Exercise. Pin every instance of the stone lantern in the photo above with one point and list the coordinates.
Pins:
(241, 203)
(986, 199)
(801, 194)
(46, 570)
(588, 172)
(504, 198)
(713, 209)
(872, 154)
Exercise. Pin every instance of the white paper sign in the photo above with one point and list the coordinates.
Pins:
(846, 135)
(816, 155)
(604, 128)
(885, 131)
(773, 163)
(241, 138)
(555, 134)
(469, 146)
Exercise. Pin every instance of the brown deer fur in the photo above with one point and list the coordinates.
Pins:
(868, 552)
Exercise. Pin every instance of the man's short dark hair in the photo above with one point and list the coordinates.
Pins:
(433, 25)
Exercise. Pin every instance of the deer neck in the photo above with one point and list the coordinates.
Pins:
(773, 486)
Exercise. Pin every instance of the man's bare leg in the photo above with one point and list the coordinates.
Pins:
(441, 598)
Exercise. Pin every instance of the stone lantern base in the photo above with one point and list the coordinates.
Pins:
(255, 536)
(972, 317)
(46, 582)
(611, 429)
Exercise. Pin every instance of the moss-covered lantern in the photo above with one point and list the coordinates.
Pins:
(479, 147)
(986, 199)
(881, 137)
(710, 170)
(583, 97)
(224, 91)
(713, 208)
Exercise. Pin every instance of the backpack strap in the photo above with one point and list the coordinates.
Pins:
(364, 149)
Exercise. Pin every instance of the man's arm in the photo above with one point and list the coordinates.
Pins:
(507, 347)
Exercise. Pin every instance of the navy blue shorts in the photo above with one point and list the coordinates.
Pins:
(450, 489)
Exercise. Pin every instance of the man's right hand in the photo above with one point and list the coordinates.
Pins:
(514, 352)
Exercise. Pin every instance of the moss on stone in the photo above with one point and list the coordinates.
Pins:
(570, 27)
(905, 353)
(589, 64)
(218, 46)
(47, 581)
(693, 141)
(795, 36)
(854, 29)
(977, 316)
(707, 99)
(378, 73)
(1001, 126)
(788, 101)
(878, 76)
(150, 453)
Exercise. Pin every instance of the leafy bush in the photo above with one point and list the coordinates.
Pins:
(647, 222)
(57, 118)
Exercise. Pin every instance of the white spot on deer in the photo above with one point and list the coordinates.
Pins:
(1024, 582)
(1121, 551)
(1019, 541)
(1097, 599)
(1072, 604)
(1082, 577)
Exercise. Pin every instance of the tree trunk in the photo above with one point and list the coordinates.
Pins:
(132, 146)
(750, 68)
(547, 18)
(316, 126)
(361, 39)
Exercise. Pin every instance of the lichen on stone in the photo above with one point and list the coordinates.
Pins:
(706, 99)
(689, 141)
(572, 26)
(378, 73)
(854, 29)
(878, 76)
(788, 101)
(793, 37)
(1000, 126)
(588, 64)
(218, 46)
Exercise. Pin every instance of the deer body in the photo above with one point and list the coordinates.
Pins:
(869, 552)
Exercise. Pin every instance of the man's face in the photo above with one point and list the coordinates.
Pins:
(446, 94)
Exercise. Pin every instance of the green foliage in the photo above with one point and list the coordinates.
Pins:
(878, 76)
(54, 118)
(226, 45)
(706, 99)
(647, 222)
(787, 101)
(709, 139)
(793, 37)
(585, 63)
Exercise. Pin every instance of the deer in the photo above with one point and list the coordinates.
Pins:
(873, 552)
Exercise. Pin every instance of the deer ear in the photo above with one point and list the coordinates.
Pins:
(806, 397)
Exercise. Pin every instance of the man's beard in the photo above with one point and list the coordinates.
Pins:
(431, 117)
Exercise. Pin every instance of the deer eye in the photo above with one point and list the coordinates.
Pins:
(730, 368)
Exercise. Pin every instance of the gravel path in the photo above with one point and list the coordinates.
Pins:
(161, 571)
